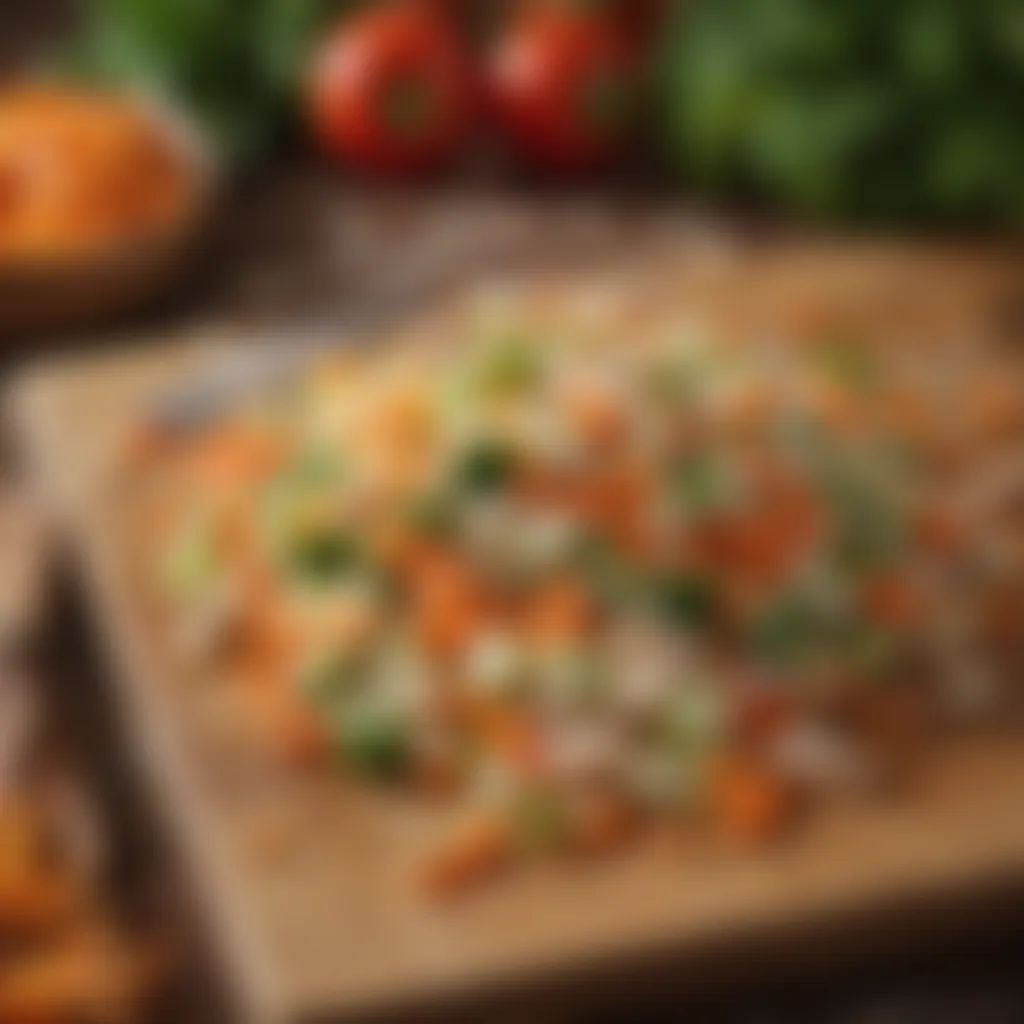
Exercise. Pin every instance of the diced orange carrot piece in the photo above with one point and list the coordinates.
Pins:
(750, 802)
(236, 456)
(939, 530)
(601, 824)
(598, 416)
(512, 735)
(761, 714)
(475, 850)
(997, 405)
(561, 611)
(449, 607)
(291, 729)
(893, 599)
(401, 417)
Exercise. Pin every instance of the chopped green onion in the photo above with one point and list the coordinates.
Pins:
(702, 483)
(686, 599)
(508, 367)
(322, 557)
(431, 515)
(486, 467)
(848, 362)
(374, 740)
(541, 821)
(787, 630)
(572, 677)
(192, 565)
(326, 677)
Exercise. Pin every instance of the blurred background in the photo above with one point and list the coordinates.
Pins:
(286, 167)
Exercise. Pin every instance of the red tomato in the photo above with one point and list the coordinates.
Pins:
(391, 90)
(563, 85)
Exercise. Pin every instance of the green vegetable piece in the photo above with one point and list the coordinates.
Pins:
(191, 564)
(870, 649)
(326, 678)
(509, 367)
(375, 741)
(702, 483)
(574, 678)
(787, 631)
(486, 467)
(541, 821)
(431, 515)
(696, 721)
(848, 363)
(322, 557)
(686, 599)
(673, 379)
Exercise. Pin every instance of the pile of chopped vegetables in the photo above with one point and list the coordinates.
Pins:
(574, 584)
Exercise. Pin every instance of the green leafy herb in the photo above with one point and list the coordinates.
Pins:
(702, 483)
(854, 109)
(508, 366)
(486, 467)
(431, 515)
(542, 821)
(848, 363)
(787, 630)
(322, 556)
(191, 564)
(375, 741)
(686, 599)
(328, 676)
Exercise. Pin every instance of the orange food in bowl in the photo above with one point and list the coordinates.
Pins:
(82, 172)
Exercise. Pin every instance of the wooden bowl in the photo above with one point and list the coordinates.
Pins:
(93, 286)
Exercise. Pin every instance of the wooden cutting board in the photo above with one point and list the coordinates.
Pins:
(306, 880)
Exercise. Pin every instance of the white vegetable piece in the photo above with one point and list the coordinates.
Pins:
(585, 751)
(495, 663)
(811, 754)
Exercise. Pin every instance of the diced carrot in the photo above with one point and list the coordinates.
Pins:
(893, 599)
(601, 824)
(516, 739)
(748, 411)
(617, 499)
(402, 550)
(939, 530)
(401, 417)
(438, 777)
(301, 738)
(760, 714)
(145, 445)
(750, 802)
(509, 732)
(908, 412)
(561, 611)
(450, 606)
(997, 405)
(474, 851)
(763, 542)
(598, 415)
(236, 456)
(836, 408)
(291, 729)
